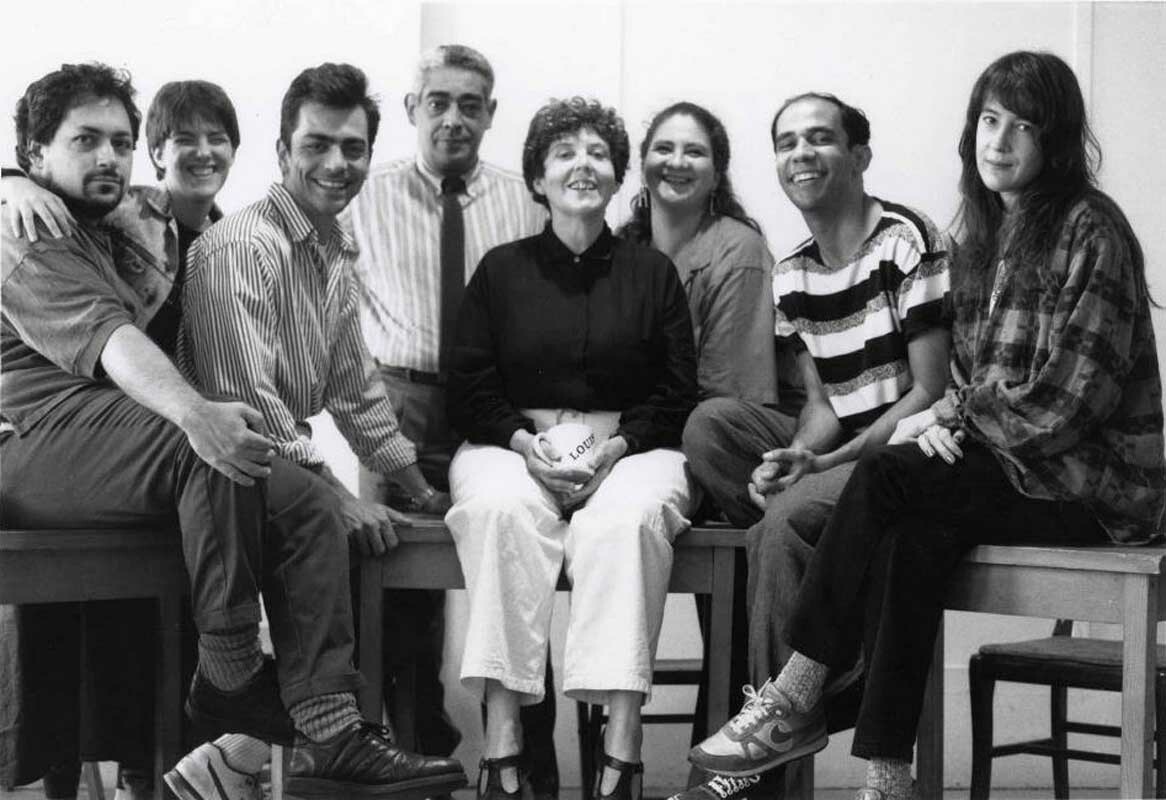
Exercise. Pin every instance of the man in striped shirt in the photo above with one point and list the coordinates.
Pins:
(397, 223)
(272, 318)
(862, 303)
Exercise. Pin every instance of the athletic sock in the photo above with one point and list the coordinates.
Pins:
(801, 681)
(891, 777)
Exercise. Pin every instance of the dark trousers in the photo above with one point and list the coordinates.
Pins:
(100, 460)
(415, 620)
(877, 577)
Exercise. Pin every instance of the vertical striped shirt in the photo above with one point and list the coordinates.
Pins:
(271, 317)
(396, 222)
(856, 319)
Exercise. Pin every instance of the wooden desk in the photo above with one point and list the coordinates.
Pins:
(1095, 584)
(426, 559)
(64, 566)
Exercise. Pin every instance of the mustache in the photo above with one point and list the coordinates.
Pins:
(105, 174)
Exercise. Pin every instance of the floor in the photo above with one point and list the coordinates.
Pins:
(34, 793)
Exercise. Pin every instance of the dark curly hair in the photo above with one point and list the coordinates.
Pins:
(180, 103)
(562, 117)
(854, 122)
(723, 202)
(331, 85)
(46, 102)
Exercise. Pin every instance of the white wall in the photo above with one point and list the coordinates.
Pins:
(910, 66)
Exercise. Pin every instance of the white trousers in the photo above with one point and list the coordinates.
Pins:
(512, 541)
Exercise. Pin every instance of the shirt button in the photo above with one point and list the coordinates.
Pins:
(576, 259)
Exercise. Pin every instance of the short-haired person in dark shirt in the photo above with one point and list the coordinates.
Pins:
(569, 326)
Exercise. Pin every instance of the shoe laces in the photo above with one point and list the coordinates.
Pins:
(757, 706)
(725, 786)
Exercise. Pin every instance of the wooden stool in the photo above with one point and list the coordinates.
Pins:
(67, 566)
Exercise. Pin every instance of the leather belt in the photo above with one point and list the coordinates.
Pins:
(414, 375)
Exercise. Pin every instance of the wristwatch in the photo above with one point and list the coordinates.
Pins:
(419, 501)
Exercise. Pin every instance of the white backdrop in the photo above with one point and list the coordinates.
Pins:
(910, 66)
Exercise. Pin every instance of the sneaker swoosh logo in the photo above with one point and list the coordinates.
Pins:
(218, 783)
(779, 738)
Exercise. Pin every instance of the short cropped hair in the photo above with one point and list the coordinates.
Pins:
(331, 85)
(45, 103)
(457, 56)
(854, 121)
(561, 117)
(180, 103)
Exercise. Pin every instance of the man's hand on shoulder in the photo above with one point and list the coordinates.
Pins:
(25, 202)
(229, 437)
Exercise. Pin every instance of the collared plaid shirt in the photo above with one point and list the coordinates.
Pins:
(1060, 379)
(271, 317)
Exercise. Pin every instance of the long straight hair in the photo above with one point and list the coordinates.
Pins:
(1042, 89)
(723, 200)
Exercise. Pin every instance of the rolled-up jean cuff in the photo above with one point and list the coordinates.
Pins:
(227, 619)
(867, 749)
(350, 681)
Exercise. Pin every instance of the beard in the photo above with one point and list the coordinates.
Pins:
(92, 209)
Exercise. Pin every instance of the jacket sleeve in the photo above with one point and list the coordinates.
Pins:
(659, 420)
(1089, 354)
(477, 403)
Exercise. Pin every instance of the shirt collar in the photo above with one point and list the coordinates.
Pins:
(474, 184)
(158, 199)
(299, 228)
(553, 250)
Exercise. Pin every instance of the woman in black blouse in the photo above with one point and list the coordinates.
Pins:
(567, 329)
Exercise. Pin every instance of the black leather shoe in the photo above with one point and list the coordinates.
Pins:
(361, 761)
(255, 710)
(490, 779)
(629, 785)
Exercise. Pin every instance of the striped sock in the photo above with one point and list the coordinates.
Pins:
(801, 681)
(320, 718)
(230, 659)
(243, 753)
(891, 777)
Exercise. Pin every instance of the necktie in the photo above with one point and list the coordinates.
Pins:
(453, 264)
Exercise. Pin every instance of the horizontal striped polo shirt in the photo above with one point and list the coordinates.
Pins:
(856, 319)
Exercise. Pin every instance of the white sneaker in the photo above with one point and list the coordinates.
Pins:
(204, 774)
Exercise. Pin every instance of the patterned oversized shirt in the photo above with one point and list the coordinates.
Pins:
(271, 317)
(396, 222)
(856, 319)
(1060, 379)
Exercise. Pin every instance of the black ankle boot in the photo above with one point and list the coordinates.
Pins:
(490, 778)
(630, 785)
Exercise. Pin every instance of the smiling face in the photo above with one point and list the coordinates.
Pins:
(816, 166)
(195, 158)
(678, 167)
(328, 160)
(89, 160)
(451, 113)
(578, 177)
(1008, 153)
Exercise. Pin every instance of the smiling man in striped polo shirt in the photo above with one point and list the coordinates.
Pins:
(862, 303)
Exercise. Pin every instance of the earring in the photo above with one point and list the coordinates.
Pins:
(643, 199)
(712, 204)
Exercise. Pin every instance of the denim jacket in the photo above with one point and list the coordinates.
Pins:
(144, 236)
